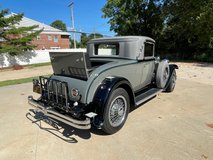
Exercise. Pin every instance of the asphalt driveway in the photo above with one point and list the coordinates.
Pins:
(177, 126)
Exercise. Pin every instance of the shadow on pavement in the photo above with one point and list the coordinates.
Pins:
(204, 65)
(57, 128)
(64, 131)
(140, 105)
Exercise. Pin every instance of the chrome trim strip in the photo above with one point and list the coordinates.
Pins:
(66, 95)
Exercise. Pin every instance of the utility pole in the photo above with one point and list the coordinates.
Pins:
(73, 23)
(94, 33)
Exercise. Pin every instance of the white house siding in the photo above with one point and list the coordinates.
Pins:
(37, 56)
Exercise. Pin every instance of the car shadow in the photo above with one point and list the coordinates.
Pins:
(66, 132)
(59, 129)
(140, 105)
(210, 65)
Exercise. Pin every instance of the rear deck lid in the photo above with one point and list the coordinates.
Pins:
(70, 64)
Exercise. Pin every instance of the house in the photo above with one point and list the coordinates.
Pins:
(49, 38)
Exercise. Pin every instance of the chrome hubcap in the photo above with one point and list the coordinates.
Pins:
(117, 111)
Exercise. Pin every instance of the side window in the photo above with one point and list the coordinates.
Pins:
(149, 49)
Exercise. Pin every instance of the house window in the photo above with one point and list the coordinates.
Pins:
(38, 37)
(56, 39)
(64, 36)
(49, 38)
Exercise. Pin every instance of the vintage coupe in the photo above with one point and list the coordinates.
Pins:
(100, 86)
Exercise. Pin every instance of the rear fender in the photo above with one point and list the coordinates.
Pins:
(104, 90)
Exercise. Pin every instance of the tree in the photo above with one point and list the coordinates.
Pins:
(134, 17)
(15, 40)
(59, 25)
(95, 35)
(78, 44)
(188, 26)
(85, 38)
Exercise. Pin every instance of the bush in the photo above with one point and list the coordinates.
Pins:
(205, 57)
(17, 67)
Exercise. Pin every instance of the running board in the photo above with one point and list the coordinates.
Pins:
(147, 95)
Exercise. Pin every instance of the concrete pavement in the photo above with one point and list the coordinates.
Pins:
(175, 126)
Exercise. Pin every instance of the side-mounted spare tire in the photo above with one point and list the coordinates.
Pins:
(162, 74)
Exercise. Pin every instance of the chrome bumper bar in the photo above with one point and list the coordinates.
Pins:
(49, 112)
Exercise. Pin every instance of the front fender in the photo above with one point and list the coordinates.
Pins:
(172, 68)
(104, 90)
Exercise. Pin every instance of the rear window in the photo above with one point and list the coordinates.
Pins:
(107, 49)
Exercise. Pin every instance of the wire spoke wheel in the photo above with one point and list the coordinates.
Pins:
(117, 111)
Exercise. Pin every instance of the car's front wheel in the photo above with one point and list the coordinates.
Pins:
(116, 111)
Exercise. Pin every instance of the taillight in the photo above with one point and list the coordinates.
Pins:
(74, 92)
(36, 86)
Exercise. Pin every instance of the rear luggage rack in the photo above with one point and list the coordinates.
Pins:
(55, 92)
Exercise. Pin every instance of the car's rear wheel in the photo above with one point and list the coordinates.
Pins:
(116, 111)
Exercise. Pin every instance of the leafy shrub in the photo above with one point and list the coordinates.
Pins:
(205, 57)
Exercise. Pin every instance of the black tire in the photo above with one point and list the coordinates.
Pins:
(162, 74)
(172, 83)
(114, 108)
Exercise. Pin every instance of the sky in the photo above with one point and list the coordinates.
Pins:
(87, 13)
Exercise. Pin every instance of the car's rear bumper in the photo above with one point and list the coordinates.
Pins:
(50, 112)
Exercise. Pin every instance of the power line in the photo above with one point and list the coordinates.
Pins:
(80, 32)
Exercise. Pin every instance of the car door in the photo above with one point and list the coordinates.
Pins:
(147, 64)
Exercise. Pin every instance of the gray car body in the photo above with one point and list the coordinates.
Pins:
(130, 64)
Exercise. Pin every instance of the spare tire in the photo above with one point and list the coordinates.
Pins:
(162, 74)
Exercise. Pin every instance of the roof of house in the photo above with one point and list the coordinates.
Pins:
(25, 22)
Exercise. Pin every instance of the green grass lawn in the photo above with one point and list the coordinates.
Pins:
(28, 66)
(22, 80)
(38, 65)
(18, 81)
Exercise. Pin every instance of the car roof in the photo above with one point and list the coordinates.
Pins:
(121, 38)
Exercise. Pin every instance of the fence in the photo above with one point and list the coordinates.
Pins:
(38, 56)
